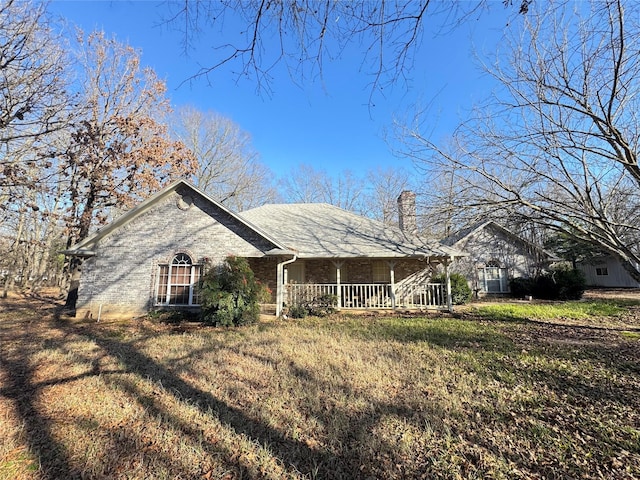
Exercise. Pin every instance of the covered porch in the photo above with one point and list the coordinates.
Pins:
(324, 250)
(359, 283)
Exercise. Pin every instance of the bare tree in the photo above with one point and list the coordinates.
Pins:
(558, 145)
(309, 33)
(383, 186)
(33, 82)
(308, 185)
(32, 232)
(228, 167)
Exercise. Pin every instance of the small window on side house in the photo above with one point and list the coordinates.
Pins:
(296, 272)
(601, 271)
(494, 278)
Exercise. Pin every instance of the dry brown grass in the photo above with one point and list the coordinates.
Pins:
(345, 397)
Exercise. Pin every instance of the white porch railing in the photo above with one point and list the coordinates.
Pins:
(371, 295)
(426, 295)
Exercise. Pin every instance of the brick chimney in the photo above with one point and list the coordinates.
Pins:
(407, 213)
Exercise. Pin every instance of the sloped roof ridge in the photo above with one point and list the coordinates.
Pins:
(477, 226)
(264, 216)
(464, 232)
(329, 205)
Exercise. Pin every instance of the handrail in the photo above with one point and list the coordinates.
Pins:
(372, 295)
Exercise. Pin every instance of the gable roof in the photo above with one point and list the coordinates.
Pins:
(309, 230)
(84, 247)
(320, 230)
(456, 239)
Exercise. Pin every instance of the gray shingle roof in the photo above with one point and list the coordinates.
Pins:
(319, 230)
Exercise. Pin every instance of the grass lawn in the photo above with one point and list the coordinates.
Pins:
(497, 391)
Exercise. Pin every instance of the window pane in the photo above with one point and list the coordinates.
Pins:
(163, 279)
(196, 279)
(179, 295)
(493, 273)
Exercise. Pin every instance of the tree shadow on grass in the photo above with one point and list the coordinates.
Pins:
(294, 454)
(22, 391)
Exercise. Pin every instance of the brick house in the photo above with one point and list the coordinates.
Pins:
(153, 256)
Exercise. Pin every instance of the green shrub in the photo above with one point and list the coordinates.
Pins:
(297, 311)
(521, 287)
(568, 284)
(460, 290)
(559, 284)
(316, 306)
(230, 295)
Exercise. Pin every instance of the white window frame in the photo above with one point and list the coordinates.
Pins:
(195, 273)
(493, 272)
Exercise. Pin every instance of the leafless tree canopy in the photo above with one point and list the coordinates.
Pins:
(33, 81)
(558, 144)
(309, 33)
(228, 167)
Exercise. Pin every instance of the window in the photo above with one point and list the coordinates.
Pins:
(177, 282)
(493, 278)
(601, 271)
(380, 272)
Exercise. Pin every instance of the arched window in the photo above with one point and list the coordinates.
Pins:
(494, 278)
(177, 282)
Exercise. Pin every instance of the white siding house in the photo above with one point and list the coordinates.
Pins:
(495, 256)
(606, 272)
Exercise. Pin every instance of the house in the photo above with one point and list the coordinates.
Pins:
(153, 256)
(606, 271)
(496, 255)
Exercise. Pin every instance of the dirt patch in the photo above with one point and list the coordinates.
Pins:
(632, 294)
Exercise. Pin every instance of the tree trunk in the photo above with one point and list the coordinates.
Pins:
(74, 283)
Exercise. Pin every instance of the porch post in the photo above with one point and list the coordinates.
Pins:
(392, 279)
(338, 265)
(279, 289)
(280, 284)
(447, 275)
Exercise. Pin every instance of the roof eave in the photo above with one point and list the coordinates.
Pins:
(79, 252)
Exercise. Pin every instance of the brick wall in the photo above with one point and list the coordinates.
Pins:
(120, 280)
(356, 270)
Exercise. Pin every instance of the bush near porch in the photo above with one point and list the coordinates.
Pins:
(231, 295)
(460, 290)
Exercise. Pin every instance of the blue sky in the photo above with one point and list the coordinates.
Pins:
(330, 125)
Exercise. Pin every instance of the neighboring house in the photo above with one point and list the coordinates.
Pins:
(153, 256)
(496, 255)
(606, 271)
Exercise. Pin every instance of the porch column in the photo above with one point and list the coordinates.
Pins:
(338, 266)
(279, 288)
(447, 276)
(280, 284)
(392, 280)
